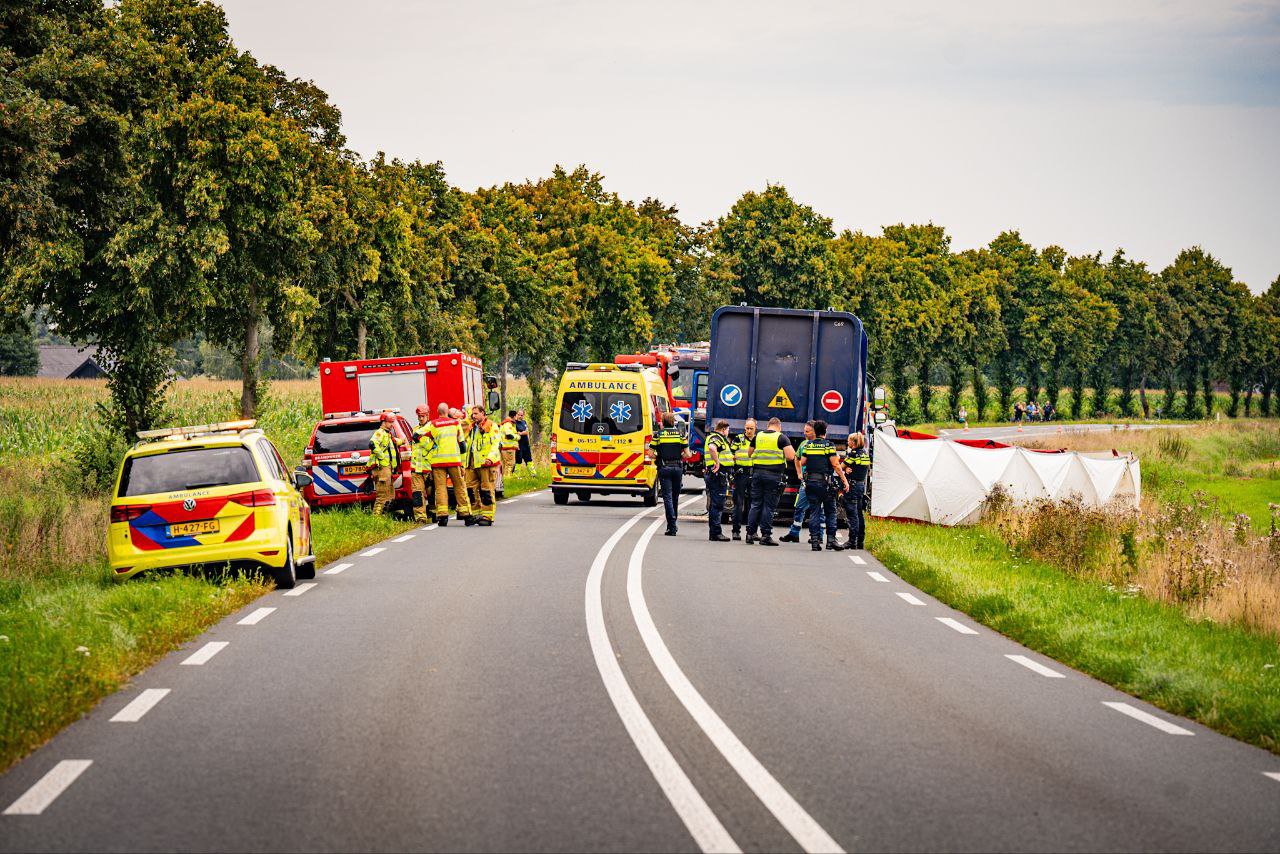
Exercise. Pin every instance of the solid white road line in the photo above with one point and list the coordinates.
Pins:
(1149, 719)
(206, 652)
(957, 625)
(909, 599)
(1036, 666)
(701, 822)
(371, 552)
(303, 588)
(807, 832)
(1274, 775)
(875, 576)
(47, 788)
(406, 538)
(141, 704)
(256, 617)
(858, 560)
(334, 570)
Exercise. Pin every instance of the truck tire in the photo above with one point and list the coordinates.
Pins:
(286, 576)
(560, 496)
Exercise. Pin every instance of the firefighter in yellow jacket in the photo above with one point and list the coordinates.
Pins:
(384, 460)
(445, 458)
(421, 475)
(509, 438)
(482, 459)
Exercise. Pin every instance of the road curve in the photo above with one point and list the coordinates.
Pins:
(445, 694)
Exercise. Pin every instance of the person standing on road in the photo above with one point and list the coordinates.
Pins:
(741, 448)
(718, 466)
(802, 507)
(509, 443)
(445, 434)
(384, 459)
(962, 415)
(524, 453)
(770, 453)
(857, 465)
(481, 457)
(670, 449)
(821, 469)
(420, 474)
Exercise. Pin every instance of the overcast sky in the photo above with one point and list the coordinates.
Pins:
(1146, 124)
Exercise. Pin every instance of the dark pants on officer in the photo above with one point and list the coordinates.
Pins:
(671, 477)
(716, 484)
(853, 509)
(822, 504)
(766, 484)
(741, 497)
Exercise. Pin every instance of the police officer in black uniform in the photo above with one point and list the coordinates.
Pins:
(718, 464)
(741, 447)
(821, 469)
(857, 465)
(671, 449)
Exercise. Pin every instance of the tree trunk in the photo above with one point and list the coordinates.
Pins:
(1077, 393)
(1189, 386)
(1206, 383)
(1053, 382)
(1100, 382)
(1126, 391)
(1264, 405)
(1004, 387)
(1142, 397)
(1248, 400)
(1170, 395)
(1233, 402)
(1033, 381)
(980, 395)
(956, 378)
(506, 366)
(926, 388)
(537, 401)
(249, 369)
(362, 340)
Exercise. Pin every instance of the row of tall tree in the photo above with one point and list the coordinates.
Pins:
(156, 182)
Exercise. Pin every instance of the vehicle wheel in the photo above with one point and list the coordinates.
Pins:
(560, 496)
(650, 498)
(584, 496)
(286, 576)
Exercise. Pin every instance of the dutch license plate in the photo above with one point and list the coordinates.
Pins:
(186, 529)
(354, 471)
(579, 471)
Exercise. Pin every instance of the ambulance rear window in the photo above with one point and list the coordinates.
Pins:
(191, 468)
(343, 438)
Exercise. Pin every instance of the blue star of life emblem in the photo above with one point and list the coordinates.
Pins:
(581, 410)
(620, 411)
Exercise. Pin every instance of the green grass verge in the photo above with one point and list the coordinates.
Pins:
(1221, 676)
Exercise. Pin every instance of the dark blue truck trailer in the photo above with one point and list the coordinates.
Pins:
(789, 364)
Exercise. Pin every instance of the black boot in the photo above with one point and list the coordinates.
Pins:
(816, 546)
(768, 541)
(442, 521)
(737, 535)
(833, 546)
(718, 538)
(469, 520)
(789, 537)
(751, 539)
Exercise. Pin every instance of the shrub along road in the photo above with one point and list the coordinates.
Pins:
(566, 680)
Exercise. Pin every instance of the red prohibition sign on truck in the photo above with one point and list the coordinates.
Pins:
(832, 400)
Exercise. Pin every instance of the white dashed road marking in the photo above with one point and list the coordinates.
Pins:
(141, 704)
(334, 570)
(371, 552)
(48, 787)
(430, 527)
(303, 588)
(508, 501)
(206, 652)
(256, 617)
(875, 576)
(1274, 775)
(909, 599)
(957, 625)
(403, 539)
(1148, 719)
(1036, 666)
(858, 560)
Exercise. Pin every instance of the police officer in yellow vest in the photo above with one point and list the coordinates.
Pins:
(384, 460)
(770, 453)
(482, 459)
(421, 475)
(741, 448)
(717, 466)
(509, 439)
(445, 435)
(670, 449)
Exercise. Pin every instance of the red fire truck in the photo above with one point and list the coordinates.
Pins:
(353, 395)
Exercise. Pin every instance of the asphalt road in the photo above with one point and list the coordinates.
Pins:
(566, 680)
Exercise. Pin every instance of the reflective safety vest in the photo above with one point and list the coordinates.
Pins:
(382, 449)
(768, 453)
(669, 445)
(857, 464)
(721, 444)
(482, 445)
(510, 436)
(445, 435)
(741, 447)
(421, 457)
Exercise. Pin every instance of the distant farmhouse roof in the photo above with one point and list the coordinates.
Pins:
(61, 362)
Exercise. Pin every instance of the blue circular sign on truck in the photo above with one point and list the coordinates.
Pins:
(730, 395)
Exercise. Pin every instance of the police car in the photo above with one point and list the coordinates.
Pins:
(208, 495)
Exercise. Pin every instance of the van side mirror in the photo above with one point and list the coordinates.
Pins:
(881, 417)
(879, 396)
(494, 400)
(301, 479)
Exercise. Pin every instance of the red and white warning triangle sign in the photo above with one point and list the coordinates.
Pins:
(781, 401)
